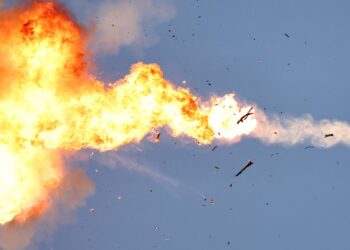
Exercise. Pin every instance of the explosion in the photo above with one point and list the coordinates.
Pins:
(50, 103)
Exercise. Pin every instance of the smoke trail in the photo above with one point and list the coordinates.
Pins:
(113, 160)
(292, 130)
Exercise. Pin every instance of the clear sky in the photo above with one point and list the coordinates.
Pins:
(291, 198)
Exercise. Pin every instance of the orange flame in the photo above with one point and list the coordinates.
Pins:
(49, 102)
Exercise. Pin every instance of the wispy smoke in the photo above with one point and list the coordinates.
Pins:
(113, 160)
(71, 194)
(124, 23)
(290, 131)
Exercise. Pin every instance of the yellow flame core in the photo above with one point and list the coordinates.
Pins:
(49, 102)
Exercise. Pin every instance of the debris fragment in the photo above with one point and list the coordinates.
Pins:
(216, 167)
(274, 154)
(286, 35)
(328, 135)
(92, 210)
(249, 163)
(138, 149)
(309, 147)
(210, 201)
(157, 138)
(156, 227)
(245, 117)
(215, 147)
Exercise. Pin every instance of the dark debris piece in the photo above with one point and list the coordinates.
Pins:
(157, 138)
(286, 35)
(214, 148)
(328, 135)
(309, 147)
(249, 163)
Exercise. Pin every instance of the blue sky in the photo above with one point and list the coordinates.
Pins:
(295, 199)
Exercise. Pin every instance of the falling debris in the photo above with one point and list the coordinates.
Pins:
(92, 210)
(138, 149)
(286, 35)
(249, 163)
(215, 147)
(210, 201)
(157, 138)
(309, 147)
(328, 135)
(245, 117)
(156, 227)
(216, 167)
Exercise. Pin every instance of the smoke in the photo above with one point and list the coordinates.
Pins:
(127, 23)
(113, 160)
(71, 194)
(291, 131)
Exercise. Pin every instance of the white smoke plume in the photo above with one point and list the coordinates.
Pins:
(291, 131)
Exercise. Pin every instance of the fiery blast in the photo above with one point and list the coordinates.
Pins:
(49, 103)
